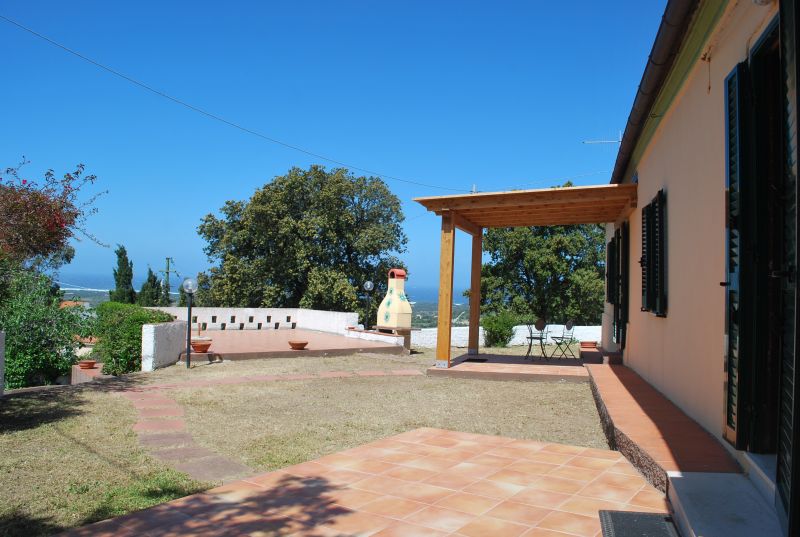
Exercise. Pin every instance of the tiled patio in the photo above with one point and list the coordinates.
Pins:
(251, 344)
(509, 367)
(425, 482)
(652, 430)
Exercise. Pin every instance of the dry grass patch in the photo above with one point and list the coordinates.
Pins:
(272, 425)
(68, 457)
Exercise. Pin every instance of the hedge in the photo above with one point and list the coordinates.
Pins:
(498, 330)
(119, 333)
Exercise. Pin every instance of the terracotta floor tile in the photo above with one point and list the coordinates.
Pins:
(379, 484)
(358, 523)
(421, 492)
(515, 478)
(550, 458)
(468, 503)
(587, 462)
(485, 526)
(475, 471)
(571, 523)
(605, 492)
(307, 469)
(408, 473)
(650, 498)
(403, 529)
(541, 532)
(562, 448)
(624, 467)
(519, 512)
(540, 498)
(621, 480)
(602, 454)
(531, 467)
(578, 474)
(493, 489)
(353, 498)
(160, 425)
(487, 459)
(590, 506)
(341, 476)
(557, 484)
(440, 518)
(371, 466)
(398, 457)
(432, 463)
(392, 507)
(449, 481)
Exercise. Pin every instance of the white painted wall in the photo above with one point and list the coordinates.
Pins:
(682, 355)
(459, 334)
(162, 344)
(239, 318)
(372, 336)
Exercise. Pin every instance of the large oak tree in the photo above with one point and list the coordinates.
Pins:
(309, 238)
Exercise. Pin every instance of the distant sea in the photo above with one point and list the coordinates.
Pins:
(77, 281)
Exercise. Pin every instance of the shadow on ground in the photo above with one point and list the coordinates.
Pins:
(238, 508)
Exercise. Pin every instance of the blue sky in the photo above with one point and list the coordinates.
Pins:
(449, 93)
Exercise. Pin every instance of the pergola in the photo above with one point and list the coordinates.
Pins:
(472, 213)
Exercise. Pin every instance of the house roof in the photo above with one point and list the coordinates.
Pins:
(671, 33)
(543, 207)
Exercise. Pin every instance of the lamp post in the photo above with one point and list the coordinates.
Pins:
(189, 286)
(368, 287)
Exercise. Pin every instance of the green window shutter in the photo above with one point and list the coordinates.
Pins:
(660, 254)
(644, 260)
(611, 276)
(625, 277)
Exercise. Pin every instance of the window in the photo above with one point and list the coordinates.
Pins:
(653, 261)
(617, 282)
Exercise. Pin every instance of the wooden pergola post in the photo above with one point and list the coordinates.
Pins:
(445, 291)
(475, 294)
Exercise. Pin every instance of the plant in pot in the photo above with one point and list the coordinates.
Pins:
(200, 343)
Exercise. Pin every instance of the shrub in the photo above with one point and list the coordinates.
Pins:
(40, 342)
(498, 329)
(119, 333)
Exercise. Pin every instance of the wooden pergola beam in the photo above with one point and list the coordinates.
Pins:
(445, 291)
(475, 294)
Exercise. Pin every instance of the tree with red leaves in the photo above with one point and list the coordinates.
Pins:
(40, 217)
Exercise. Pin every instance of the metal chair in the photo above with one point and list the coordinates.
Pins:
(564, 341)
(540, 335)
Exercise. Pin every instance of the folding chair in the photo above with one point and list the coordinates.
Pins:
(540, 335)
(564, 341)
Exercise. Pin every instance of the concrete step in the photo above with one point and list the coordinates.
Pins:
(720, 505)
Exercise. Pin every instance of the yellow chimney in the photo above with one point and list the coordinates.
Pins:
(395, 311)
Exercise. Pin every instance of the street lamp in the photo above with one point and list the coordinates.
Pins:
(189, 286)
(368, 287)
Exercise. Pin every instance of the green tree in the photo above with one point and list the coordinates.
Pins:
(150, 293)
(40, 335)
(310, 238)
(123, 278)
(552, 272)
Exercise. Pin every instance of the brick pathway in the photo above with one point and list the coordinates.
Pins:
(428, 482)
(162, 431)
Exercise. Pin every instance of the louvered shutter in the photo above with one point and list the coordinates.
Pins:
(644, 260)
(659, 254)
(735, 85)
(611, 269)
(788, 474)
(624, 255)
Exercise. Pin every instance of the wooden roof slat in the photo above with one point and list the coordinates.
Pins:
(552, 206)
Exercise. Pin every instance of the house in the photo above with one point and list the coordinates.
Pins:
(701, 219)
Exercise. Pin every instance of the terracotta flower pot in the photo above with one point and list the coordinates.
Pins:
(588, 344)
(86, 364)
(298, 345)
(201, 345)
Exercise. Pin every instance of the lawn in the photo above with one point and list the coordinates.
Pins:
(68, 456)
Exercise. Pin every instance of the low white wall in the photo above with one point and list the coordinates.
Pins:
(250, 318)
(162, 344)
(372, 336)
(427, 336)
(2, 361)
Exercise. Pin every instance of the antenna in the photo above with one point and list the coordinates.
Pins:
(617, 141)
(474, 189)
(167, 272)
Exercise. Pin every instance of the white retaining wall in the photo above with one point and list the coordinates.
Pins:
(427, 336)
(162, 344)
(250, 318)
(373, 336)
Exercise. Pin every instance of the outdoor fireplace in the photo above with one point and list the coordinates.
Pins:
(395, 311)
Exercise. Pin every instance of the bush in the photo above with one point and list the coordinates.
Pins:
(498, 330)
(40, 342)
(119, 333)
